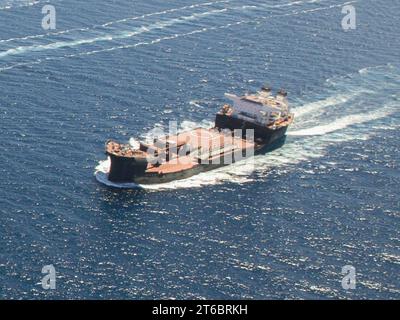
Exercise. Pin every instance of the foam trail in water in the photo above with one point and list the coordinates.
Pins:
(123, 35)
(193, 6)
(127, 34)
(195, 103)
(107, 24)
(198, 31)
(343, 123)
(226, 26)
(42, 35)
(16, 5)
(322, 104)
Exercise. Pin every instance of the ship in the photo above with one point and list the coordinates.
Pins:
(251, 124)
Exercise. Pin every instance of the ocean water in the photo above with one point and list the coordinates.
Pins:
(282, 229)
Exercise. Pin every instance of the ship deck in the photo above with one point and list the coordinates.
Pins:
(209, 143)
(205, 145)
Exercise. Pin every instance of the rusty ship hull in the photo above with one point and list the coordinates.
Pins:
(164, 173)
(237, 135)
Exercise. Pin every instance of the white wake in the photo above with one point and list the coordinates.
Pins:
(342, 123)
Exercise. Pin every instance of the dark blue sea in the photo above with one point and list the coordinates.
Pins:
(283, 229)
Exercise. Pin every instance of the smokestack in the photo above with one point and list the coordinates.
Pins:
(282, 92)
(266, 90)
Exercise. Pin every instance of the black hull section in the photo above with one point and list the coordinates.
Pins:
(266, 135)
(125, 170)
(129, 170)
